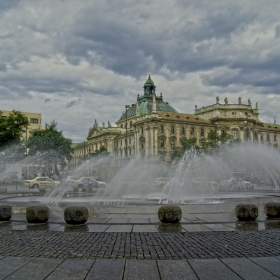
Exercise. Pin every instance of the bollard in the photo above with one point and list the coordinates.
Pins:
(5, 212)
(169, 214)
(37, 214)
(246, 212)
(76, 215)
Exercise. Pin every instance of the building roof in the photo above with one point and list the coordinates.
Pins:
(183, 117)
(271, 126)
(145, 102)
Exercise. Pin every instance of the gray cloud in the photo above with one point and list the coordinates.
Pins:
(72, 103)
(81, 53)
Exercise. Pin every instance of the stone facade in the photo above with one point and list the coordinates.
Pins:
(154, 128)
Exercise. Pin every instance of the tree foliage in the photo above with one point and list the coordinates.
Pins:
(214, 144)
(11, 128)
(101, 152)
(186, 144)
(50, 146)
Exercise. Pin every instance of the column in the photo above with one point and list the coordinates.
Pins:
(156, 140)
(147, 146)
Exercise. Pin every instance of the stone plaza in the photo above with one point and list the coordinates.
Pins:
(129, 242)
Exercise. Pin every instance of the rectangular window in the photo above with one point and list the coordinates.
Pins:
(161, 142)
(275, 138)
(172, 129)
(172, 144)
(34, 121)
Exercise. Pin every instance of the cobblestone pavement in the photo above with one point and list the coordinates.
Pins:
(155, 246)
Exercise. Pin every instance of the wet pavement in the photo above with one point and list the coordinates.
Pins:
(129, 242)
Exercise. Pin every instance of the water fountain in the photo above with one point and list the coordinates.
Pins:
(196, 178)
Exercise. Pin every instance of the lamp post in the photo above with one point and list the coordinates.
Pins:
(126, 107)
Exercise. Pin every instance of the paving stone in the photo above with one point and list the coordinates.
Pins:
(139, 221)
(11, 264)
(37, 269)
(269, 263)
(97, 228)
(212, 269)
(175, 270)
(107, 270)
(119, 228)
(195, 228)
(144, 228)
(43, 227)
(71, 269)
(247, 269)
(141, 269)
(219, 227)
(118, 221)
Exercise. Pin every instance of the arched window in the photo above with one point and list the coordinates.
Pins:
(142, 130)
(275, 138)
(161, 129)
(202, 132)
(261, 137)
(131, 124)
(121, 125)
(267, 137)
(192, 131)
(172, 143)
(161, 143)
(172, 130)
(234, 133)
(182, 130)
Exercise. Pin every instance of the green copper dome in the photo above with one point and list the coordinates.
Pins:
(149, 82)
(145, 102)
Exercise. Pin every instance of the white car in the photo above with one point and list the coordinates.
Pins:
(41, 182)
(86, 183)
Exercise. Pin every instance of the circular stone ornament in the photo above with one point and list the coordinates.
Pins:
(246, 212)
(272, 210)
(37, 214)
(5, 212)
(170, 214)
(76, 215)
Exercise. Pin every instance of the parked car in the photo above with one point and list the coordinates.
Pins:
(160, 182)
(41, 182)
(235, 184)
(86, 184)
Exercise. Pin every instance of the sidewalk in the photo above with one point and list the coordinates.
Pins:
(128, 242)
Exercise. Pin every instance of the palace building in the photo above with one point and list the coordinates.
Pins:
(152, 127)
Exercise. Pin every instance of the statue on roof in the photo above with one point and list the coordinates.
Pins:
(256, 105)
(249, 102)
(103, 124)
(226, 101)
(217, 100)
(109, 124)
(239, 100)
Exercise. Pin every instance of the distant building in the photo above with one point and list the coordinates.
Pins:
(154, 128)
(35, 122)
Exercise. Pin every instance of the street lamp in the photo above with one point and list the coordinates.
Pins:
(126, 107)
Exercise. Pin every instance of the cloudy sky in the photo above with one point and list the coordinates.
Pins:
(79, 60)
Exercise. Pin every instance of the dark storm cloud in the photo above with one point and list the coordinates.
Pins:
(72, 103)
(65, 50)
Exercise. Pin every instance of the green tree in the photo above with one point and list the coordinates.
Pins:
(101, 152)
(11, 129)
(186, 144)
(50, 146)
(217, 143)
